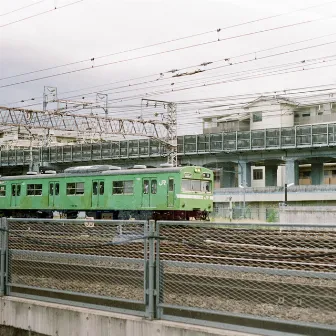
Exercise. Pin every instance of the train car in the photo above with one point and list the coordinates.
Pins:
(108, 192)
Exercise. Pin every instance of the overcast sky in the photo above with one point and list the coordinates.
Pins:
(94, 28)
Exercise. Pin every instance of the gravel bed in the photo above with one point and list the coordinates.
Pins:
(211, 302)
(246, 307)
(210, 272)
(198, 271)
(138, 264)
(85, 287)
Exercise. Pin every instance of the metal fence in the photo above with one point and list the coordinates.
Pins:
(101, 263)
(268, 276)
(240, 273)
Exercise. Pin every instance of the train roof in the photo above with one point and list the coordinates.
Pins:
(102, 171)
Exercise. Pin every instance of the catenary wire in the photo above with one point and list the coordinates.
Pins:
(178, 39)
(168, 51)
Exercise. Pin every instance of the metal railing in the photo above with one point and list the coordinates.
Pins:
(305, 136)
(269, 276)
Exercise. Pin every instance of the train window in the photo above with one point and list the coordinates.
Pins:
(75, 188)
(101, 188)
(195, 185)
(186, 185)
(2, 190)
(33, 190)
(153, 186)
(171, 185)
(118, 187)
(95, 188)
(53, 188)
(145, 186)
(206, 186)
(56, 189)
(128, 187)
(16, 189)
(122, 187)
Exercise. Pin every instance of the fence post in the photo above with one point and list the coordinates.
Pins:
(3, 242)
(159, 274)
(151, 271)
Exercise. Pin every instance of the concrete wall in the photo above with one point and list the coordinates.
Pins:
(308, 215)
(60, 320)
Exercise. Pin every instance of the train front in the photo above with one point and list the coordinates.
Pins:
(195, 194)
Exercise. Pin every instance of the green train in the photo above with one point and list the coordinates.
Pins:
(108, 192)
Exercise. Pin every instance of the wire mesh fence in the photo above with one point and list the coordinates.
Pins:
(174, 270)
(101, 262)
(277, 271)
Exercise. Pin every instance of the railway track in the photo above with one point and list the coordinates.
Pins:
(258, 291)
(210, 253)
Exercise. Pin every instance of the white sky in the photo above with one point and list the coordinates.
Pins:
(93, 28)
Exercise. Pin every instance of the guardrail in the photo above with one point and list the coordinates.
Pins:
(231, 275)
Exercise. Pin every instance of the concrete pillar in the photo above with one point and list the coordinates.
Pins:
(317, 173)
(244, 173)
(292, 172)
(228, 176)
(271, 175)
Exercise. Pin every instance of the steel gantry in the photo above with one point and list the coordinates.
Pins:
(83, 123)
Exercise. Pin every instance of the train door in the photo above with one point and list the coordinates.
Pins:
(98, 190)
(54, 190)
(15, 194)
(171, 192)
(149, 190)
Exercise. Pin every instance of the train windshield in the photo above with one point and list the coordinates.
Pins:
(196, 186)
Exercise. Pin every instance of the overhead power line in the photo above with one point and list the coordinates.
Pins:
(168, 51)
(21, 8)
(42, 13)
(174, 40)
(187, 67)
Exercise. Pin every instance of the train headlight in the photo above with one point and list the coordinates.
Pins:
(197, 170)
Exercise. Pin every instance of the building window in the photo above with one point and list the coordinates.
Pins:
(305, 174)
(34, 189)
(257, 116)
(75, 188)
(305, 114)
(3, 190)
(122, 187)
(258, 174)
